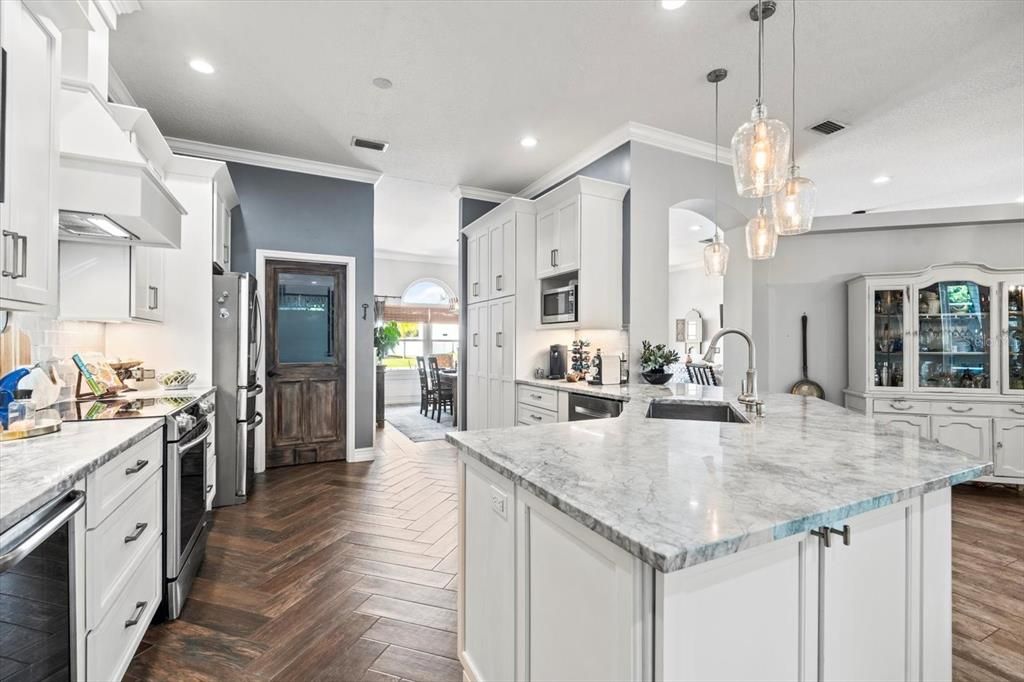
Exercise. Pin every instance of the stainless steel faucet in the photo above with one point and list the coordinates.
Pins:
(748, 391)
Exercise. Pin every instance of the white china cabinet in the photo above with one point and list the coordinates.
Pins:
(940, 353)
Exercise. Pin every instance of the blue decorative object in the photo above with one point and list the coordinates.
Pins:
(8, 387)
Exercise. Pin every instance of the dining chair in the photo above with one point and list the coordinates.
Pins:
(427, 394)
(442, 390)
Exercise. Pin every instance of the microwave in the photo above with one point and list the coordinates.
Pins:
(559, 305)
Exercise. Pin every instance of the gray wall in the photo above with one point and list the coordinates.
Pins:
(809, 274)
(661, 179)
(286, 211)
(471, 209)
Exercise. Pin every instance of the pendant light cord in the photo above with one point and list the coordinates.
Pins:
(792, 144)
(760, 53)
(714, 182)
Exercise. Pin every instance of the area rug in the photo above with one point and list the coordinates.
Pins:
(410, 421)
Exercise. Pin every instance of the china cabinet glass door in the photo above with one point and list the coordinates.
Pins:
(1013, 338)
(954, 336)
(890, 323)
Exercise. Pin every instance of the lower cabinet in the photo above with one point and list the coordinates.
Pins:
(912, 424)
(544, 598)
(1009, 447)
(490, 366)
(970, 434)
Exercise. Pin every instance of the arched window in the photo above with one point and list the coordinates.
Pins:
(427, 292)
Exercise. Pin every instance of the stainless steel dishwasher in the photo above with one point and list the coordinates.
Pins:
(591, 407)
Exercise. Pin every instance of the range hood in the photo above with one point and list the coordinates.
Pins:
(108, 189)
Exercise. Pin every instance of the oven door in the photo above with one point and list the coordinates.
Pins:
(38, 602)
(186, 495)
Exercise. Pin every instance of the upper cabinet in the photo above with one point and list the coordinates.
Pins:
(579, 241)
(223, 201)
(499, 249)
(28, 210)
(104, 283)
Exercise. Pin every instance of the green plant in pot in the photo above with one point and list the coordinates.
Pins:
(654, 360)
(385, 339)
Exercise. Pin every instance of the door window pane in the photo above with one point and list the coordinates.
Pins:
(1015, 337)
(889, 337)
(305, 317)
(953, 336)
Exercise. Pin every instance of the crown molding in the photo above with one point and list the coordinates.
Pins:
(628, 132)
(479, 193)
(118, 91)
(386, 254)
(219, 152)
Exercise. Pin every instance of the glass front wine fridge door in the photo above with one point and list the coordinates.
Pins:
(890, 327)
(1013, 338)
(954, 336)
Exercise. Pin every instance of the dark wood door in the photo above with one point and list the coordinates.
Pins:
(306, 372)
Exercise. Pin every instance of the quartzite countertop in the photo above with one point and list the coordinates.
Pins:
(33, 471)
(679, 493)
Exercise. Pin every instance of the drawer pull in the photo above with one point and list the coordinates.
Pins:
(900, 408)
(1016, 410)
(536, 397)
(140, 606)
(536, 418)
(952, 408)
(139, 466)
(140, 528)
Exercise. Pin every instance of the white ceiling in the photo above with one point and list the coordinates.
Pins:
(934, 91)
(415, 218)
(686, 229)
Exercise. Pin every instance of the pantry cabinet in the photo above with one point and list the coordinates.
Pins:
(490, 364)
(28, 210)
(478, 260)
(940, 353)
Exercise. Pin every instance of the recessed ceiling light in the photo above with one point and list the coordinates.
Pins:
(202, 66)
(695, 228)
(382, 83)
(881, 179)
(528, 141)
(672, 4)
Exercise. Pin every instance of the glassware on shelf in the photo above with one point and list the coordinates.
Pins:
(1015, 337)
(888, 337)
(954, 335)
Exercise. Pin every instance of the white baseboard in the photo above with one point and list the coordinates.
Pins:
(362, 455)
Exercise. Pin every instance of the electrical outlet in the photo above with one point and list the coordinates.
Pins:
(499, 503)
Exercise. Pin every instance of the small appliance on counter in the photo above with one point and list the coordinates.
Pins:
(600, 375)
(556, 361)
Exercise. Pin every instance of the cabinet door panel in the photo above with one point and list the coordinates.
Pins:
(867, 614)
(567, 256)
(547, 228)
(913, 424)
(28, 215)
(970, 434)
(1009, 451)
(503, 258)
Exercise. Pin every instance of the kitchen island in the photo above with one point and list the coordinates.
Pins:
(811, 544)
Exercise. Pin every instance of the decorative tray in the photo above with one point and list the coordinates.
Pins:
(42, 428)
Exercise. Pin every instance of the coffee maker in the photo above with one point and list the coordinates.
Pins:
(556, 361)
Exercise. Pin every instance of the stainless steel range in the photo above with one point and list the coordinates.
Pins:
(188, 425)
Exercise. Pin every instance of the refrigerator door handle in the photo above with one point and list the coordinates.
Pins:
(259, 330)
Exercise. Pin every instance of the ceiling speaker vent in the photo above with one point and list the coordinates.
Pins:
(828, 127)
(374, 145)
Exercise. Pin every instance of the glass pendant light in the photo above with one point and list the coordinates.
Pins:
(794, 204)
(761, 236)
(716, 254)
(760, 146)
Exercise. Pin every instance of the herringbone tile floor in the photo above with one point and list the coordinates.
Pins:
(332, 571)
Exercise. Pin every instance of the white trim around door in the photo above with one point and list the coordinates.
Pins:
(262, 256)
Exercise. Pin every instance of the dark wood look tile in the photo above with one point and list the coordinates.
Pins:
(988, 584)
(328, 569)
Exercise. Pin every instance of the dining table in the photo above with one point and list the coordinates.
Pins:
(450, 377)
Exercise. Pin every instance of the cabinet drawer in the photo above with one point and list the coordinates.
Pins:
(531, 415)
(111, 554)
(115, 481)
(898, 405)
(952, 409)
(109, 647)
(544, 398)
(1009, 411)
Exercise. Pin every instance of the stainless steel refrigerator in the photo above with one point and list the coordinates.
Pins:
(237, 345)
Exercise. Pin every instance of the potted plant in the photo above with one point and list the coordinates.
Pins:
(654, 360)
(385, 338)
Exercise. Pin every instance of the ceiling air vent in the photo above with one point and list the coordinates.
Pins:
(828, 127)
(373, 145)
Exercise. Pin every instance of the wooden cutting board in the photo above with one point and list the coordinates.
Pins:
(15, 349)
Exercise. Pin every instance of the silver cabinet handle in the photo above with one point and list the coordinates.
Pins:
(536, 418)
(44, 528)
(23, 270)
(497, 339)
(140, 606)
(552, 258)
(140, 528)
(140, 464)
(497, 282)
(536, 396)
(154, 297)
(1016, 410)
(952, 408)
(845, 533)
(476, 339)
(826, 533)
(555, 252)
(13, 271)
(476, 288)
(901, 409)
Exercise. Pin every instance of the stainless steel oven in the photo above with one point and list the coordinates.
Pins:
(559, 305)
(39, 606)
(187, 523)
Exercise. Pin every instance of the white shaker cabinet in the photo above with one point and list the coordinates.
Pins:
(970, 434)
(1009, 447)
(111, 283)
(476, 367)
(147, 277)
(502, 244)
(28, 211)
(912, 424)
(478, 265)
(558, 237)
(501, 380)
(221, 221)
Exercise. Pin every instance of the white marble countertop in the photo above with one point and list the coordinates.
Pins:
(619, 392)
(678, 493)
(33, 471)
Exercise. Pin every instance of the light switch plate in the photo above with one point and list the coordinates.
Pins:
(499, 503)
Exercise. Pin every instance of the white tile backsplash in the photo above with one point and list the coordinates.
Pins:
(52, 339)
